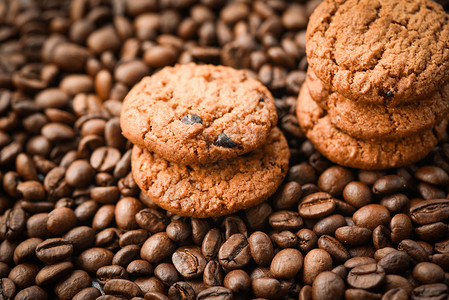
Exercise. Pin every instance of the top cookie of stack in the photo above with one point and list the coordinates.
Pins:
(197, 114)
(377, 90)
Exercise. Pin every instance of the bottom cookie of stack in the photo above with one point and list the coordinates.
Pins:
(346, 150)
(214, 189)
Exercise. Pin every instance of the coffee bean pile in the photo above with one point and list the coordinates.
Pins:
(74, 225)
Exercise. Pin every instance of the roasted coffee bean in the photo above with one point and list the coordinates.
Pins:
(372, 215)
(265, 287)
(237, 281)
(334, 180)
(103, 217)
(109, 272)
(31, 190)
(108, 239)
(152, 220)
(353, 235)
(334, 248)
(25, 251)
(122, 287)
(414, 250)
(442, 246)
(189, 261)
(179, 230)
(401, 228)
(133, 237)
(81, 238)
(287, 196)
(302, 174)
(181, 290)
(286, 263)
(261, 248)
(55, 184)
(427, 273)
(317, 205)
(233, 224)
(52, 273)
(389, 184)
(432, 175)
(395, 202)
(139, 267)
(353, 294)
(125, 213)
(257, 216)
(157, 247)
(329, 225)
(358, 261)
(307, 239)
(430, 211)
(89, 293)
(61, 220)
(217, 292)
(395, 262)
(54, 250)
(430, 291)
(166, 273)
(395, 294)
(13, 223)
(32, 292)
(315, 262)
(366, 277)
(396, 281)
(213, 274)
(92, 259)
(328, 285)
(23, 275)
(285, 239)
(8, 288)
(381, 237)
(235, 252)
(125, 255)
(73, 283)
(79, 174)
(432, 232)
(285, 220)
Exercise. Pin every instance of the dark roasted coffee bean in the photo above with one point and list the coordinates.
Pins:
(395, 202)
(92, 259)
(139, 268)
(213, 274)
(287, 196)
(357, 194)
(55, 184)
(414, 250)
(261, 248)
(108, 239)
(125, 255)
(81, 238)
(257, 216)
(358, 261)
(353, 294)
(396, 281)
(32, 292)
(189, 261)
(54, 250)
(442, 246)
(316, 205)
(286, 263)
(334, 248)
(61, 220)
(366, 276)
(237, 281)
(235, 252)
(432, 175)
(233, 224)
(285, 239)
(353, 235)
(104, 159)
(315, 262)
(329, 225)
(13, 223)
(178, 230)
(122, 287)
(396, 294)
(79, 174)
(302, 174)
(103, 217)
(430, 211)
(109, 272)
(52, 273)
(26, 250)
(430, 291)
(157, 247)
(23, 275)
(389, 184)
(396, 262)
(328, 285)
(89, 293)
(372, 215)
(133, 237)
(181, 290)
(334, 180)
(166, 273)
(285, 220)
(432, 232)
(217, 292)
(7, 288)
(381, 237)
(191, 119)
(307, 239)
(427, 273)
(73, 283)
(401, 228)
(267, 288)
(152, 220)
(125, 213)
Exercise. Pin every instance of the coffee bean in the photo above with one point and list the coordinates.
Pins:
(430, 211)
(285, 220)
(152, 220)
(396, 281)
(55, 184)
(285, 239)
(430, 291)
(106, 273)
(329, 225)
(122, 287)
(395, 294)
(213, 274)
(286, 263)
(108, 239)
(257, 216)
(334, 180)
(73, 283)
(13, 223)
(139, 267)
(89, 293)
(23, 275)
(353, 294)
(414, 250)
(395, 202)
(52, 273)
(381, 237)
(81, 238)
(79, 174)
(125, 255)
(261, 248)
(432, 175)
(396, 262)
(181, 290)
(366, 277)
(328, 285)
(432, 232)
(189, 261)
(157, 247)
(237, 281)
(389, 184)
(427, 273)
(92, 259)
(61, 220)
(86, 211)
(54, 250)
(166, 273)
(401, 228)
(25, 251)
(372, 215)
(316, 205)
(178, 230)
(235, 252)
(103, 217)
(302, 174)
(307, 239)
(353, 235)
(133, 237)
(334, 248)
(315, 262)
(32, 292)
(218, 292)
(211, 243)
(125, 212)
(287, 196)
(358, 261)
(266, 288)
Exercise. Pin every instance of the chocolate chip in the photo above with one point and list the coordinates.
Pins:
(262, 98)
(224, 141)
(389, 94)
(191, 119)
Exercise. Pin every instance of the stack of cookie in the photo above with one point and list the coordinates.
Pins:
(205, 140)
(377, 92)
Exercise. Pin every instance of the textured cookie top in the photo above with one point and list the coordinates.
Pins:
(368, 121)
(379, 51)
(217, 188)
(346, 150)
(198, 113)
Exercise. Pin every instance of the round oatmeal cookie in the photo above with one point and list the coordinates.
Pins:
(214, 189)
(369, 121)
(196, 114)
(345, 150)
(380, 51)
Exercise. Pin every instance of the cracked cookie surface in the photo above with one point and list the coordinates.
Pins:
(196, 114)
(368, 121)
(380, 51)
(348, 151)
(214, 189)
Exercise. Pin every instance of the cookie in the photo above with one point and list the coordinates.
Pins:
(368, 121)
(196, 114)
(214, 189)
(345, 150)
(383, 51)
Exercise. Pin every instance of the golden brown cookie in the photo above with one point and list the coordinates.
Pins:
(214, 189)
(380, 51)
(368, 121)
(195, 114)
(345, 150)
